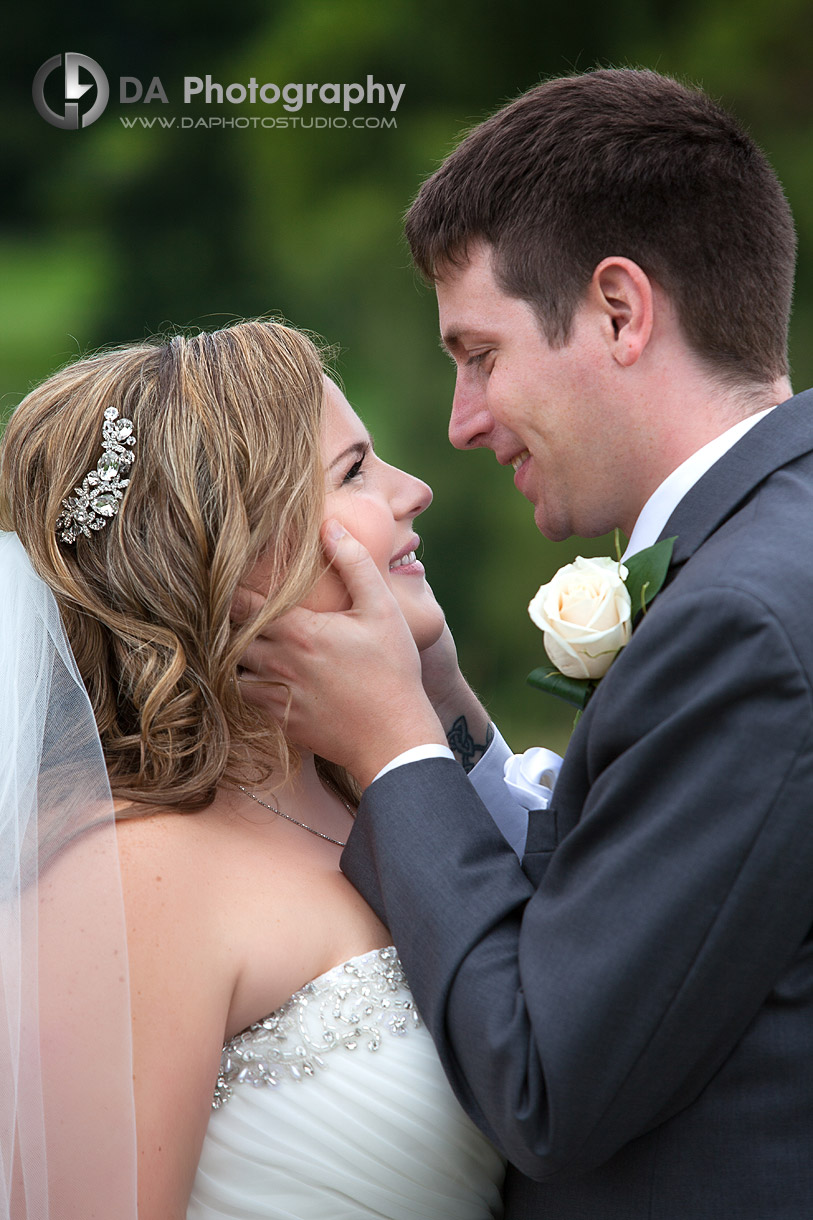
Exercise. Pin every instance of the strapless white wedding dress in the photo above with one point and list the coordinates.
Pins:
(336, 1107)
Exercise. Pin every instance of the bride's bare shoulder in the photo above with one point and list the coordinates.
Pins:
(142, 832)
(165, 850)
(179, 921)
(187, 874)
(177, 885)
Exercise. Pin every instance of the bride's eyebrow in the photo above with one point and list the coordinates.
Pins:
(357, 450)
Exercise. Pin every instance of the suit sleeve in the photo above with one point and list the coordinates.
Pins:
(577, 1012)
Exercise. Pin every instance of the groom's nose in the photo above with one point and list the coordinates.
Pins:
(471, 422)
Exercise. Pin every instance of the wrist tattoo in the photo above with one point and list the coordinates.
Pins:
(463, 745)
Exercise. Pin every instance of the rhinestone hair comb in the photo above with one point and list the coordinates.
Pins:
(97, 501)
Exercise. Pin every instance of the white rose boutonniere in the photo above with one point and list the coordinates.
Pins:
(586, 614)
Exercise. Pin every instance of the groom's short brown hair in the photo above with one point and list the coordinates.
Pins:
(622, 162)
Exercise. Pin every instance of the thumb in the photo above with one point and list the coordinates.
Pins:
(354, 564)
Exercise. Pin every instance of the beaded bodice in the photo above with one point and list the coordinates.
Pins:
(353, 1006)
(336, 1105)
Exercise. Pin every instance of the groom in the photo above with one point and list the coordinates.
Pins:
(629, 1012)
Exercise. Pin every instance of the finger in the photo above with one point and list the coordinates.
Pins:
(353, 562)
(295, 626)
(260, 664)
(272, 699)
(245, 604)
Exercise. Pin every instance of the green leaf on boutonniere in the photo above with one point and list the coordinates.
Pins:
(573, 690)
(547, 677)
(647, 572)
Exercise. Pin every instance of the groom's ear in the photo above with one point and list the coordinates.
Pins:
(624, 297)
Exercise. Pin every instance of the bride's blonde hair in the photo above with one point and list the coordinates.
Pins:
(227, 467)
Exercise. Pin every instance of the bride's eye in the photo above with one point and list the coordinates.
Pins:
(354, 471)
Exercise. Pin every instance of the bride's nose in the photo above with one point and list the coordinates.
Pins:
(411, 495)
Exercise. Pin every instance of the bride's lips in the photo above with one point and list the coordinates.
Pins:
(405, 562)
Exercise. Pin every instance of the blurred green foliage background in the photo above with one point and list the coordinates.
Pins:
(109, 233)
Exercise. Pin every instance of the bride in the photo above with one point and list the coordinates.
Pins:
(192, 993)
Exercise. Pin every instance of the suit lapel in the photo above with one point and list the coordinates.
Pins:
(778, 439)
(783, 436)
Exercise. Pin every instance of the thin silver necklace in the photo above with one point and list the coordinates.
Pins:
(287, 816)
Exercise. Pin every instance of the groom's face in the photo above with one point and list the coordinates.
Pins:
(547, 412)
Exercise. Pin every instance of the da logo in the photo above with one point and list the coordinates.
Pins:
(73, 90)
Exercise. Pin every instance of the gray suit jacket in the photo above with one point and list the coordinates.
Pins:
(629, 1015)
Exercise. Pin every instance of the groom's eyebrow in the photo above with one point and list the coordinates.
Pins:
(452, 341)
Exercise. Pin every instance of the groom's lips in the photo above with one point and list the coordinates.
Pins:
(520, 458)
(520, 463)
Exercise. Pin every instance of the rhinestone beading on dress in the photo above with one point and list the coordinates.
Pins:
(353, 1005)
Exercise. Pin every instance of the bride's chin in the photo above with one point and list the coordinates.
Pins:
(431, 636)
(419, 607)
(426, 624)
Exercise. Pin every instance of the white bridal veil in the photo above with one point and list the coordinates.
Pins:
(67, 1121)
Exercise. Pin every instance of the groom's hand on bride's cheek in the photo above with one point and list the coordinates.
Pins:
(261, 671)
(354, 675)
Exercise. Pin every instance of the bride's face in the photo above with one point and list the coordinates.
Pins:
(377, 504)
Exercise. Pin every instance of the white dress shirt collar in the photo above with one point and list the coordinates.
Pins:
(665, 498)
